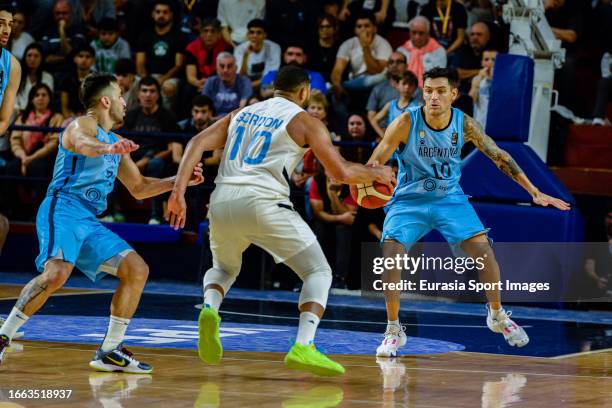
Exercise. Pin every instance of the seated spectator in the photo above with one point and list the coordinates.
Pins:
(89, 13)
(323, 51)
(293, 55)
(61, 39)
(125, 71)
(201, 54)
(234, 16)
(31, 74)
(334, 214)
(383, 12)
(109, 47)
(468, 59)
(202, 112)
(357, 132)
(291, 21)
(422, 52)
(386, 91)
(448, 22)
(154, 157)
(480, 10)
(319, 108)
(406, 10)
(159, 52)
(228, 89)
(481, 87)
(366, 54)
(406, 85)
(257, 56)
(20, 38)
(83, 62)
(34, 151)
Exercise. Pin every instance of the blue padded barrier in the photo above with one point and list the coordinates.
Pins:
(144, 233)
(510, 98)
(482, 180)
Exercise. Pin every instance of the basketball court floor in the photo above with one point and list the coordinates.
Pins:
(451, 359)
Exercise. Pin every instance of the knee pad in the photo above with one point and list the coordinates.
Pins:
(222, 277)
(312, 267)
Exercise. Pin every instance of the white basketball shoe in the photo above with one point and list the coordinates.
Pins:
(395, 337)
(501, 323)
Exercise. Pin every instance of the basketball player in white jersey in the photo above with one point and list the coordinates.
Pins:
(250, 205)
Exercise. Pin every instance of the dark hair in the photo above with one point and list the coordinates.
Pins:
(332, 20)
(124, 67)
(24, 70)
(257, 23)
(408, 76)
(290, 77)
(211, 22)
(366, 15)
(148, 81)
(92, 86)
(168, 3)
(30, 106)
(295, 44)
(84, 47)
(449, 73)
(203, 100)
(7, 6)
(108, 24)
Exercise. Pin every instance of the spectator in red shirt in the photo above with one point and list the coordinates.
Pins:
(201, 55)
(334, 214)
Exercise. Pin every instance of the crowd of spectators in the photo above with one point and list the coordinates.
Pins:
(184, 64)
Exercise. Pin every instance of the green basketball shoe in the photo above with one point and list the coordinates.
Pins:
(209, 344)
(308, 358)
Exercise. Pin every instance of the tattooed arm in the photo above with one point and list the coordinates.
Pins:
(474, 133)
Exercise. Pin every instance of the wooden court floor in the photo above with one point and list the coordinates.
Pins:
(246, 379)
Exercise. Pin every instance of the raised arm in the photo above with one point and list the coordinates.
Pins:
(474, 133)
(80, 137)
(395, 134)
(211, 138)
(142, 187)
(314, 133)
(8, 103)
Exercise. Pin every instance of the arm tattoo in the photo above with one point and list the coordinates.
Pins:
(30, 291)
(474, 133)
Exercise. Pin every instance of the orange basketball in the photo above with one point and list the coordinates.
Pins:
(371, 196)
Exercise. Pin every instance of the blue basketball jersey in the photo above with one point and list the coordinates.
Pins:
(430, 162)
(87, 179)
(5, 72)
(395, 110)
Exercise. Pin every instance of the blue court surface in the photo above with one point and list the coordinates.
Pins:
(267, 321)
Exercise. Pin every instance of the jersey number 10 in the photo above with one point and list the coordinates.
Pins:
(442, 171)
(249, 157)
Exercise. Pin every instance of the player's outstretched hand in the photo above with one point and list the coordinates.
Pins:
(197, 177)
(123, 146)
(545, 200)
(177, 210)
(385, 175)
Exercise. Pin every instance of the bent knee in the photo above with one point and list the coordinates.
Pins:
(56, 274)
(168, 88)
(135, 269)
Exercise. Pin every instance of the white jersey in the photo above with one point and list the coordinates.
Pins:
(259, 152)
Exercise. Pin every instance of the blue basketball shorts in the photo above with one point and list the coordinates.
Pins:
(408, 220)
(69, 231)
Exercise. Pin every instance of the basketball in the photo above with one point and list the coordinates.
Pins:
(371, 196)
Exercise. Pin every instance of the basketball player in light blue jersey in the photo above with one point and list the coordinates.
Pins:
(10, 77)
(89, 159)
(428, 142)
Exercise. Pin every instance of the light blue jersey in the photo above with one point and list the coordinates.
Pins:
(395, 110)
(88, 179)
(66, 222)
(5, 72)
(428, 195)
(430, 162)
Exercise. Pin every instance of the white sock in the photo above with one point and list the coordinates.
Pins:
(13, 322)
(307, 328)
(115, 333)
(213, 298)
(393, 323)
